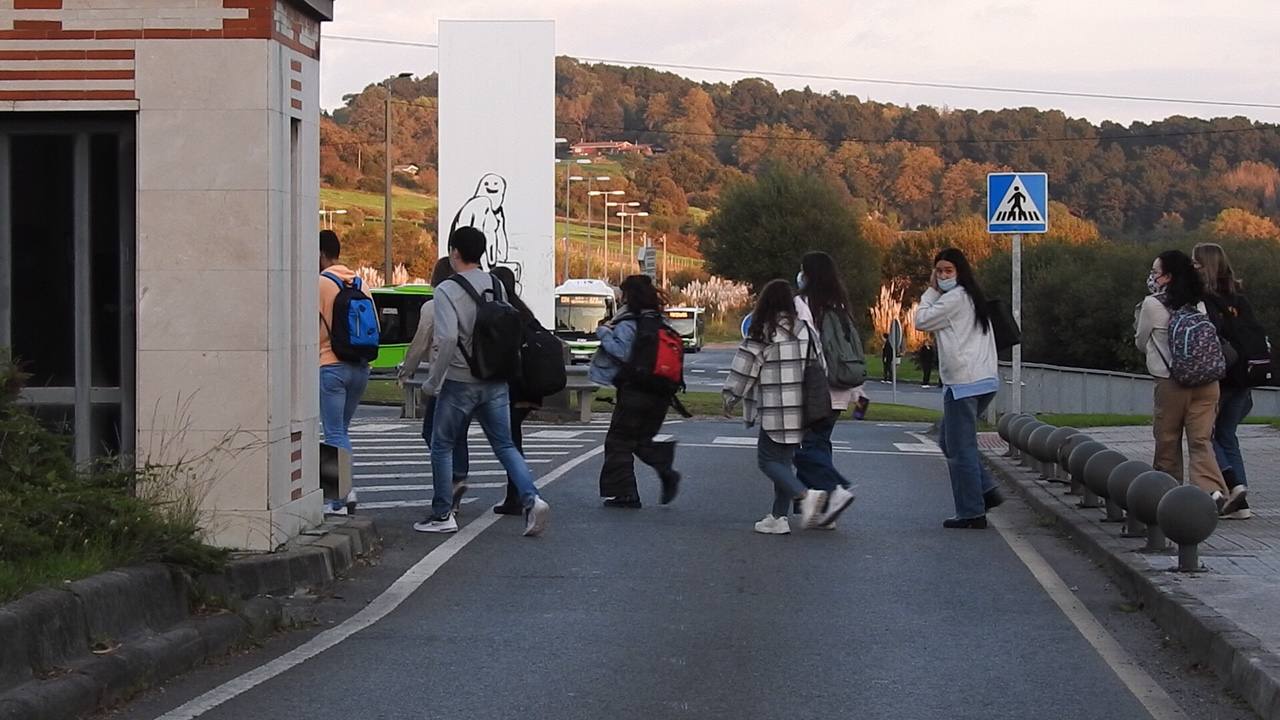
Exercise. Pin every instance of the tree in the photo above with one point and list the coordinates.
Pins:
(1239, 224)
(765, 225)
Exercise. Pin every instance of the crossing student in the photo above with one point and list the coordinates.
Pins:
(423, 347)
(954, 308)
(823, 305)
(478, 348)
(767, 378)
(630, 345)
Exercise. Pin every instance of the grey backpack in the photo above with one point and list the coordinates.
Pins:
(842, 349)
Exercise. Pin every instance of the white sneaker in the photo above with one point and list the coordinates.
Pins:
(771, 525)
(809, 506)
(536, 517)
(839, 501)
(436, 525)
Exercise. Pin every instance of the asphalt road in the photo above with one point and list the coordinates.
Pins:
(682, 611)
(706, 371)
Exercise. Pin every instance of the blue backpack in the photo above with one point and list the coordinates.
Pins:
(354, 335)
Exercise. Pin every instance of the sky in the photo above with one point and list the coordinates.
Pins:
(1184, 49)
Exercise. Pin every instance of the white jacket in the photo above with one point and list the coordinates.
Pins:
(965, 353)
(1151, 333)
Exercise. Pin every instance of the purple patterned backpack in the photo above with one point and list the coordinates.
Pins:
(1197, 352)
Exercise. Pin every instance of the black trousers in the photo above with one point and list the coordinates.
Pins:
(518, 416)
(637, 417)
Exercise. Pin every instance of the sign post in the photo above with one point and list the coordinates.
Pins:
(895, 347)
(1017, 203)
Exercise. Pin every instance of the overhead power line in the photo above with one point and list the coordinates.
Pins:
(749, 72)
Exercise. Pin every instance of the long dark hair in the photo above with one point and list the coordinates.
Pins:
(823, 289)
(966, 279)
(508, 280)
(776, 303)
(1185, 287)
(639, 294)
(441, 272)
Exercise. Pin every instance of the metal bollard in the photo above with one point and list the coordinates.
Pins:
(1187, 516)
(1118, 489)
(1023, 440)
(1037, 443)
(1056, 440)
(1144, 496)
(1064, 453)
(1096, 471)
(1075, 465)
(1015, 426)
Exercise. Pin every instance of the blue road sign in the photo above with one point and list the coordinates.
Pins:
(746, 326)
(1017, 203)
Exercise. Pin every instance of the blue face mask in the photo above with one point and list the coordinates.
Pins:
(947, 284)
(800, 280)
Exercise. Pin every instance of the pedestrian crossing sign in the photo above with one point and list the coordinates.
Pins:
(1017, 203)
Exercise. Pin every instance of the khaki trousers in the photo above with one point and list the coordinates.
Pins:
(1181, 409)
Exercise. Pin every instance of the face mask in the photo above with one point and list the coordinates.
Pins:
(947, 284)
(1153, 286)
(800, 280)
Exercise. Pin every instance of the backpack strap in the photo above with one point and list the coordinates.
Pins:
(341, 285)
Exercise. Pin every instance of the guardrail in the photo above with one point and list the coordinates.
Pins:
(1152, 504)
(1057, 389)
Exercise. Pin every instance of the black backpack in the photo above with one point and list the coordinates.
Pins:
(542, 363)
(354, 333)
(656, 364)
(497, 335)
(1246, 341)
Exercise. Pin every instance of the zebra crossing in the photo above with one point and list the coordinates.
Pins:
(392, 465)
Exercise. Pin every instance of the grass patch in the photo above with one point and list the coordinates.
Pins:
(59, 522)
(383, 392)
(372, 203)
(1088, 420)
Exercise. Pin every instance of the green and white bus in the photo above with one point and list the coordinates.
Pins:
(581, 305)
(691, 323)
(398, 308)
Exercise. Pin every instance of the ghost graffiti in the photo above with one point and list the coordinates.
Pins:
(483, 211)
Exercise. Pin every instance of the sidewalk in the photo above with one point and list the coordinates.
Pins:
(1228, 615)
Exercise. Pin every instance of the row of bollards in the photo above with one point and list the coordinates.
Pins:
(1150, 503)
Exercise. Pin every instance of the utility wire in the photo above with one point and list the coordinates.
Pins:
(748, 72)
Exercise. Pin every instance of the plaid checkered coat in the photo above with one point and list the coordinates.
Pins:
(768, 379)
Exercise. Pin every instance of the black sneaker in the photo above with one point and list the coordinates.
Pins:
(631, 502)
(976, 523)
(670, 487)
(1238, 500)
(509, 507)
(993, 498)
(459, 489)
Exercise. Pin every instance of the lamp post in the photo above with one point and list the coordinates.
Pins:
(590, 194)
(327, 216)
(569, 178)
(631, 240)
(386, 179)
(606, 194)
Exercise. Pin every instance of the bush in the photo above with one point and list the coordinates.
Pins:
(54, 516)
(371, 183)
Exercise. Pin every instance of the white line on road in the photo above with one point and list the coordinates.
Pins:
(427, 463)
(421, 488)
(752, 446)
(381, 606)
(1143, 686)
(415, 476)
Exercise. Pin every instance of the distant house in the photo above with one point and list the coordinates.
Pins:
(409, 169)
(610, 147)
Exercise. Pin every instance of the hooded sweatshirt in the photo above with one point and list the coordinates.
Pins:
(329, 293)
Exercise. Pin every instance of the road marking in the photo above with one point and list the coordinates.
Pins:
(381, 606)
(1143, 686)
(427, 463)
(733, 441)
(423, 488)
(922, 445)
(752, 446)
(414, 476)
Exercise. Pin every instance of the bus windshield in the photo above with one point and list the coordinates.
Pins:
(581, 314)
(685, 326)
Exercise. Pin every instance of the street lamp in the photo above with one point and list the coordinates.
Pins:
(386, 190)
(327, 215)
(606, 194)
(631, 242)
(569, 179)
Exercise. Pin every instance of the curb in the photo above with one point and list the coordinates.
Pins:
(1237, 657)
(97, 642)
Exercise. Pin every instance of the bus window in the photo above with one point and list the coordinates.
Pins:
(581, 314)
(397, 317)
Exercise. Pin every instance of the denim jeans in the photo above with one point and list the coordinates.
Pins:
(815, 462)
(774, 460)
(969, 477)
(1233, 407)
(461, 455)
(489, 404)
(341, 387)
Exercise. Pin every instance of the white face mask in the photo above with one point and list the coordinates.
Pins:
(800, 280)
(947, 284)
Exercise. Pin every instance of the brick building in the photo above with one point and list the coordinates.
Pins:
(159, 182)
